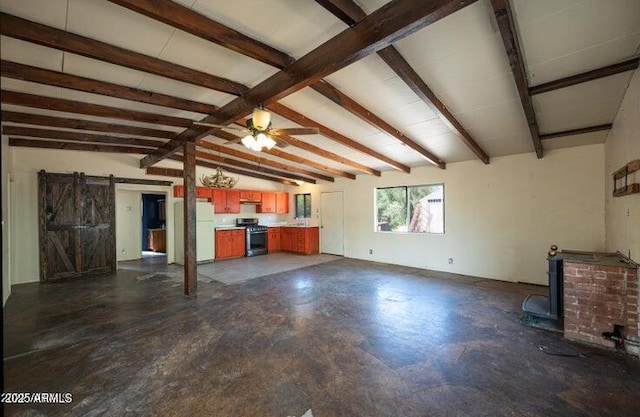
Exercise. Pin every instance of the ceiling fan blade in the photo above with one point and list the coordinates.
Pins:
(295, 131)
(230, 142)
(220, 126)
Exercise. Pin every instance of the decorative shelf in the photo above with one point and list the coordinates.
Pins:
(623, 173)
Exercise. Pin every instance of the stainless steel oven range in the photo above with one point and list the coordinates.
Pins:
(256, 243)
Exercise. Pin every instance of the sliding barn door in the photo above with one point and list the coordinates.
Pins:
(77, 225)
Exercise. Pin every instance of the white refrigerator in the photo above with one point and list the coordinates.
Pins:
(205, 232)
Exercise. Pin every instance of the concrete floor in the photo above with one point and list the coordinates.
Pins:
(341, 338)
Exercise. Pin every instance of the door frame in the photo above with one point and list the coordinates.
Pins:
(344, 243)
(169, 201)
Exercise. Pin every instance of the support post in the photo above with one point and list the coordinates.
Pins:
(190, 265)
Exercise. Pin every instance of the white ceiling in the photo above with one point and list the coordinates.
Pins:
(461, 58)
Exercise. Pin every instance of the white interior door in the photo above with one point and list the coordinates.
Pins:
(332, 223)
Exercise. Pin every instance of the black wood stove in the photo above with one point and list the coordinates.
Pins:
(548, 306)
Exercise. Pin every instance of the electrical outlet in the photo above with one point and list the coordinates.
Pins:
(123, 251)
(450, 261)
(370, 251)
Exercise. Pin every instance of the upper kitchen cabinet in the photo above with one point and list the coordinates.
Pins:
(226, 201)
(282, 203)
(268, 204)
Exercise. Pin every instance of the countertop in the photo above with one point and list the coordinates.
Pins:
(598, 258)
(292, 225)
(223, 227)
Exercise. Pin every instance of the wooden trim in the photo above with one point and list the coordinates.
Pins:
(595, 74)
(386, 25)
(70, 106)
(42, 222)
(88, 85)
(40, 34)
(122, 180)
(258, 159)
(579, 131)
(77, 136)
(335, 136)
(353, 107)
(38, 119)
(74, 146)
(506, 24)
(183, 18)
(252, 167)
(164, 172)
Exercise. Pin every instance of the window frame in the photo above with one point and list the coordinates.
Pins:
(407, 191)
(304, 196)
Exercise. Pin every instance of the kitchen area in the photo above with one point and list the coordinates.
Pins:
(232, 223)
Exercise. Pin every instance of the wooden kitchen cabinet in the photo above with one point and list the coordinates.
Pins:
(226, 201)
(274, 239)
(230, 243)
(249, 196)
(268, 204)
(305, 240)
(201, 192)
(282, 203)
(157, 240)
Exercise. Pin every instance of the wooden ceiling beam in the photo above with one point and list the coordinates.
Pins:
(165, 172)
(578, 131)
(40, 34)
(71, 106)
(350, 13)
(304, 161)
(255, 157)
(353, 107)
(77, 136)
(329, 155)
(257, 168)
(506, 24)
(58, 79)
(188, 20)
(335, 136)
(75, 146)
(51, 121)
(233, 170)
(88, 85)
(595, 74)
(383, 27)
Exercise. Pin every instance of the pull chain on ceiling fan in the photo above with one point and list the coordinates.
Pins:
(260, 134)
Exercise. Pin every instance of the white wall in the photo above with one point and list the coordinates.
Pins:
(27, 163)
(500, 219)
(622, 146)
(128, 228)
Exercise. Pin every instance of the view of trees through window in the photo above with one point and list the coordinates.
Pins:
(303, 205)
(412, 209)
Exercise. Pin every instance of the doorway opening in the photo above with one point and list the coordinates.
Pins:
(154, 233)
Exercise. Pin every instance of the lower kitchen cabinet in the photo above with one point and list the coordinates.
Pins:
(305, 240)
(230, 243)
(274, 239)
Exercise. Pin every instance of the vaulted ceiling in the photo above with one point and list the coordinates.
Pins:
(390, 85)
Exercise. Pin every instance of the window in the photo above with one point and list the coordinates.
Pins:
(410, 209)
(303, 205)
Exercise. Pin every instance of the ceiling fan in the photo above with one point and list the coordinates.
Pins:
(260, 133)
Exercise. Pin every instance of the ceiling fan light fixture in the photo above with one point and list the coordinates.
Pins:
(248, 141)
(261, 119)
(269, 143)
